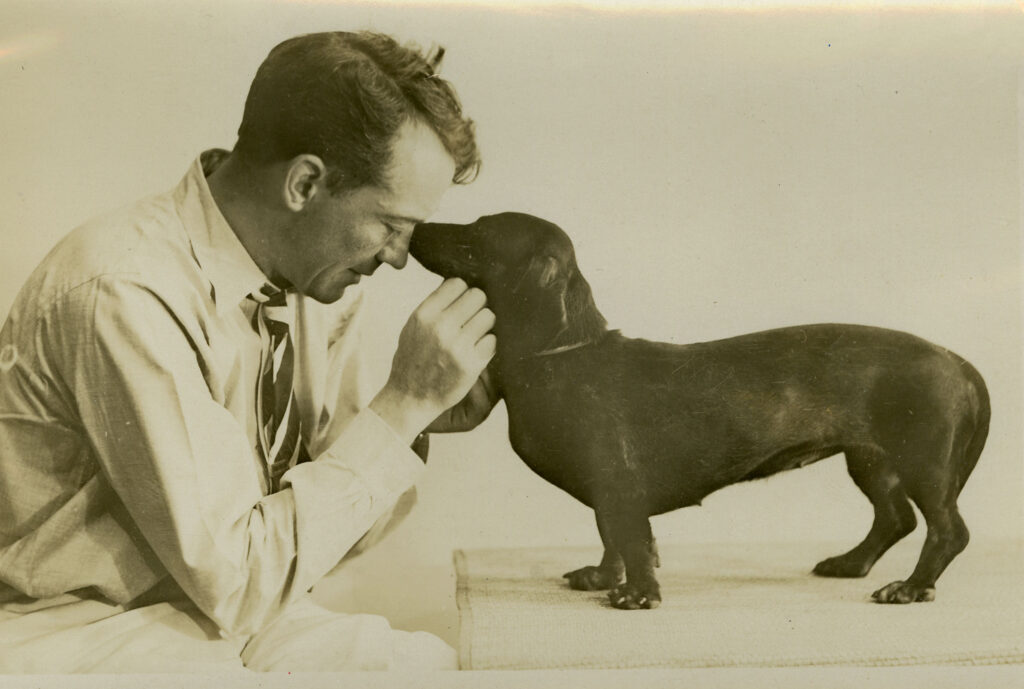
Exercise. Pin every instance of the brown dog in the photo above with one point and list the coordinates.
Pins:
(634, 428)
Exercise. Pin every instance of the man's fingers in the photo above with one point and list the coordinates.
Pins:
(469, 413)
(486, 346)
(466, 306)
(487, 385)
(442, 297)
(479, 325)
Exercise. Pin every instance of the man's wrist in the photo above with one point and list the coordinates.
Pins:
(406, 416)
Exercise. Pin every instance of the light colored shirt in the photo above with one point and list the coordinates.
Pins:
(128, 369)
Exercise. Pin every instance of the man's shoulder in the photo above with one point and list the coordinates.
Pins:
(143, 242)
(134, 238)
(119, 270)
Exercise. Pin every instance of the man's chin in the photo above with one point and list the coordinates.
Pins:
(330, 293)
(329, 297)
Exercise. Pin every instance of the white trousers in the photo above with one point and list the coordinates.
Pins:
(92, 636)
(72, 635)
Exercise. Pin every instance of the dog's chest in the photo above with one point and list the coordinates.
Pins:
(541, 413)
(550, 428)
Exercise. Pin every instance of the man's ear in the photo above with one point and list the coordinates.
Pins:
(304, 177)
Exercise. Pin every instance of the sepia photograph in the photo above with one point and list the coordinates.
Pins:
(511, 344)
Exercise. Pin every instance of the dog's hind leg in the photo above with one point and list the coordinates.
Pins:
(947, 537)
(894, 517)
(933, 474)
(604, 576)
(937, 442)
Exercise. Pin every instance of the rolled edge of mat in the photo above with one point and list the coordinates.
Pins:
(462, 603)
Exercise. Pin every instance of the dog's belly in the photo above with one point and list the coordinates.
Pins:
(666, 425)
(597, 458)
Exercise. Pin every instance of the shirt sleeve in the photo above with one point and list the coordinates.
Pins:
(183, 467)
(346, 386)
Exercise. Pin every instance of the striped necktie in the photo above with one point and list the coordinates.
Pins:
(279, 426)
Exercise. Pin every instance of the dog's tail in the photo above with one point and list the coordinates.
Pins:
(982, 417)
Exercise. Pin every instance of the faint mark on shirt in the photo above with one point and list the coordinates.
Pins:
(8, 357)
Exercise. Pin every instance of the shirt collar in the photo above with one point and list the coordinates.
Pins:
(221, 256)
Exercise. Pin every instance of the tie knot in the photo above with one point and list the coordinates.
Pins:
(269, 295)
(272, 310)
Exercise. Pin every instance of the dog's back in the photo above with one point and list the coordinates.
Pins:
(701, 416)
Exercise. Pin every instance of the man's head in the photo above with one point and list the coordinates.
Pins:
(354, 139)
(342, 97)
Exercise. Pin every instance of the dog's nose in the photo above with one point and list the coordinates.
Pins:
(426, 231)
(429, 238)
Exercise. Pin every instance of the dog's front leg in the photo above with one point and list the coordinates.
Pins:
(629, 532)
(604, 576)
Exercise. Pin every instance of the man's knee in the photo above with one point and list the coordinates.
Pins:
(306, 637)
(422, 651)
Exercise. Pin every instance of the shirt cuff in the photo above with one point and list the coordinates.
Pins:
(371, 448)
(340, 494)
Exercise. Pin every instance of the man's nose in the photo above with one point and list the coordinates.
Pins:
(396, 252)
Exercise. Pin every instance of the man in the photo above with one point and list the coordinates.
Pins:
(185, 444)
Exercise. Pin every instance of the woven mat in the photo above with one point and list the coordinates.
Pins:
(737, 606)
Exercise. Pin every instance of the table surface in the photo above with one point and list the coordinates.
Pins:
(738, 605)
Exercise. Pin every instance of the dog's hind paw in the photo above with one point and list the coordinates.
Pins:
(592, 578)
(903, 592)
(630, 597)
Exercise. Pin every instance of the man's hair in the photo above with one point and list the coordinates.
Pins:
(343, 96)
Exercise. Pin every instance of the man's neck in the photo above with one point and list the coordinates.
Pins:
(241, 193)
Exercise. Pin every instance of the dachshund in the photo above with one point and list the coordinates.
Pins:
(634, 428)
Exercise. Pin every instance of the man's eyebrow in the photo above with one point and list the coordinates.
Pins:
(403, 218)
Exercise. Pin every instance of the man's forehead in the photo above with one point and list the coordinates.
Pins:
(399, 209)
(410, 205)
(420, 163)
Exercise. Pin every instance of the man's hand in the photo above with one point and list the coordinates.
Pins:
(471, 411)
(441, 353)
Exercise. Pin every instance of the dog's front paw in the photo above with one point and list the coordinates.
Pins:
(903, 592)
(592, 578)
(842, 566)
(632, 597)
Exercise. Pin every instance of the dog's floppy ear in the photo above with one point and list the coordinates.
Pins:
(546, 269)
(543, 283)
(542, 271)
(561, 301)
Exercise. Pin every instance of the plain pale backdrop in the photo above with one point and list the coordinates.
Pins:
(719, 172)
